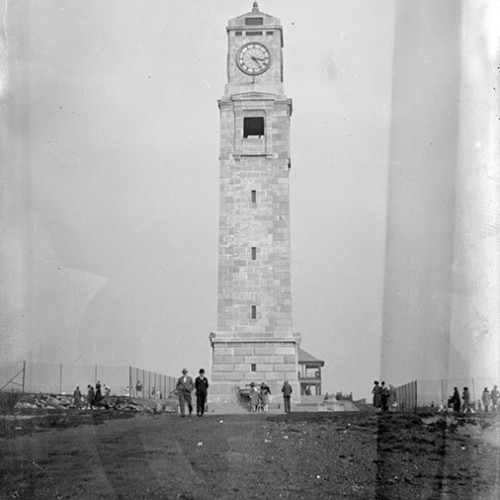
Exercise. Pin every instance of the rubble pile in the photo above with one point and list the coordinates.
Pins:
(22, 413)
(44, 401)
(126, 403)
(121, 403)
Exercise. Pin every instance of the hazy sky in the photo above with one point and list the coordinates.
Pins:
(113, 161)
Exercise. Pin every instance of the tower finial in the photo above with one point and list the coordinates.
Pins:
(255, 7)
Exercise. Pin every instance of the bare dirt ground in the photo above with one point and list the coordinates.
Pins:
(120, 455)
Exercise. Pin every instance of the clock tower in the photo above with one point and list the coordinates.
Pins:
(254, 340)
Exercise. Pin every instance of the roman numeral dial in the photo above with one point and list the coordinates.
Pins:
(253, 59)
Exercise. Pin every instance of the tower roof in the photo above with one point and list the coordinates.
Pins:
(254, 19)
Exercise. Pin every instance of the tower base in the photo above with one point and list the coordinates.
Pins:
(237, 362)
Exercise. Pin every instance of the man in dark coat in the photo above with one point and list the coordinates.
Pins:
(90, 396)
(287, 392)
(184, 389)
(201, 386)
(98, 394)
(455, 400)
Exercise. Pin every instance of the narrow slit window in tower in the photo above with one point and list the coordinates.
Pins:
(254, 253)
(254, 196)
(253, 367)
(254, 312)
(253, 126)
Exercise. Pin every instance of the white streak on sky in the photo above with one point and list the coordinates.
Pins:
(4, 52)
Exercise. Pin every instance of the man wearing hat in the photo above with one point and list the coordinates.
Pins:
(184, 388)
(201, 385)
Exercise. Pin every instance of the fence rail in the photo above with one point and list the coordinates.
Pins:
(63, 378)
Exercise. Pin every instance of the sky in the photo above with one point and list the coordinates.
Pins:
(110, 135)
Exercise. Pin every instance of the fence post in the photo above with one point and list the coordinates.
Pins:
(416, 396)
(130, 381)
(24, 374)
(60, 378)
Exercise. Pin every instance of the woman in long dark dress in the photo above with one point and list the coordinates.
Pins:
(98, 393)
(377, 395)
(455, 400)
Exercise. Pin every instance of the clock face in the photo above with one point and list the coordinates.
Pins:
(253, 58)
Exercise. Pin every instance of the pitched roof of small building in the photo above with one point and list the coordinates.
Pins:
(305, 357)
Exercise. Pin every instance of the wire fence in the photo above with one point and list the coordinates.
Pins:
(144, 383)
(63, 378)
(435, 393)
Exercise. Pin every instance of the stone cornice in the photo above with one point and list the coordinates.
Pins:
(225, 337)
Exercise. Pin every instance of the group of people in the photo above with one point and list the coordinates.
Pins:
(154, 393)
(384, 399)
(185, 387)
(383, 396)
(95, 398)
(259, 397)
(489, 400)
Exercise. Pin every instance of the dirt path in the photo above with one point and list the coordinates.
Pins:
(310, 456)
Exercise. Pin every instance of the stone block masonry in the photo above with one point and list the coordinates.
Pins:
(273, 368)
(254, 340)
(263, 281)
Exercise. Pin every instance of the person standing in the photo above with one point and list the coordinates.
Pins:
(254, 397)
(98, 393)
(184, 389)
(377, 396)
(455, 400)
(494, 396)
(107, 397)
(384, 396)
(466, 400)
(201, 386)
(486, 399)
(264, 396)
(287, 392)
(138, 389)
(77, 397)
(90, 396)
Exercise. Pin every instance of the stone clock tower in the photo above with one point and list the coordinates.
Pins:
(254, 340)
